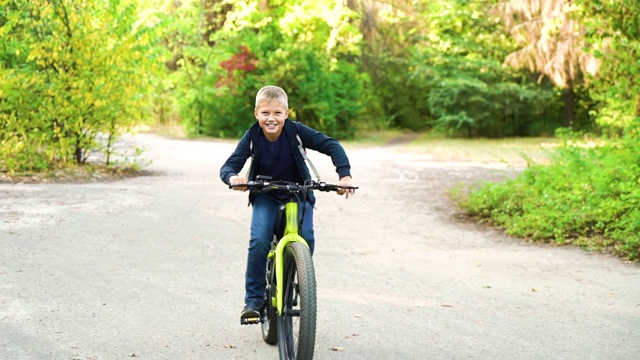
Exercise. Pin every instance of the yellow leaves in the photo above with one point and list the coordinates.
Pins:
(35, 53)
(85, 71)
(46, 10)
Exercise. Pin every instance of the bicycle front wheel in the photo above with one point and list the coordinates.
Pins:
(297, 323)
(269, 313)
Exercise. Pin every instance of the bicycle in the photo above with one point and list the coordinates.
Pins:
(288, 315)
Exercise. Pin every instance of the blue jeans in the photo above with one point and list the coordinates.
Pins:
(265, 212)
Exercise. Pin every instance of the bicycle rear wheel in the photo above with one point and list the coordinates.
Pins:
(297, 323)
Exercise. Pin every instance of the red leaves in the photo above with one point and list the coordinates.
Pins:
(244, 60)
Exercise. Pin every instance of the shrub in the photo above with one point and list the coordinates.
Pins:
(71, 73)
(588, 195)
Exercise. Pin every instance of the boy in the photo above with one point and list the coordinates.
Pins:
(273, 143)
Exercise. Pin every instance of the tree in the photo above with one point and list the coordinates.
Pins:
(553, 44)
(391, 30)
(75, 77)
(613, 32)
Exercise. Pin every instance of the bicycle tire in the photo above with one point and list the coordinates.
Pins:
(297, 323)
(269, 313)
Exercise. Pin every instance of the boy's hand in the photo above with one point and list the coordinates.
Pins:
(236, 179)
(345, 181)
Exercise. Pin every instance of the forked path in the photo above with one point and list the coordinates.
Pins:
(153, 267)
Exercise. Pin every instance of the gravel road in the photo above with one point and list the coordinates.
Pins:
(152, 267)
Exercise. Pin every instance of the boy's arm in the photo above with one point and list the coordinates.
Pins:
(236, 161)
(320, 142)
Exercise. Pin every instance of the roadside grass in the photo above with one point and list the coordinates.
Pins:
(168, 130)
(74, 173)
(379, 138)
(516, 152)
(511, 151)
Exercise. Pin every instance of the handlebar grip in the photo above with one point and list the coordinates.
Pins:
(332, 187)
(248, 184)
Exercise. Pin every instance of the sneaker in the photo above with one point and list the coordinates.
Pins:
(250, 312)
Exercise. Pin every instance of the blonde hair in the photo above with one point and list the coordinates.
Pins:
(271, 92)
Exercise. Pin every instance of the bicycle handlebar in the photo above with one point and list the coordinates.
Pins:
(268, 185)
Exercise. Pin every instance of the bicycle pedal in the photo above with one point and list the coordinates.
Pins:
(249, 321)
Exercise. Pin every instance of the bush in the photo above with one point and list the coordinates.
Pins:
(71, 74)
(588, 195)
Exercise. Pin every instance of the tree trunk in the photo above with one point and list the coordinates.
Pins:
(568, 97)
(368, 24)
(214, 15)
(77, 154)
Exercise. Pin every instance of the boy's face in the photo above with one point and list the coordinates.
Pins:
(271, 115)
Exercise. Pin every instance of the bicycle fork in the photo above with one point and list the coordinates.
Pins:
(290, 235)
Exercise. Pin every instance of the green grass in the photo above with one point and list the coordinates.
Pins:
(377, 138)
(512, 151)
(170, 131)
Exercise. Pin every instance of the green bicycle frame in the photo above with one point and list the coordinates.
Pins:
(290, 235)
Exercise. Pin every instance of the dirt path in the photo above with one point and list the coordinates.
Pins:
(153, 267)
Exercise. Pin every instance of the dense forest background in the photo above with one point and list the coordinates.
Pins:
(77, 74)
(76, 70)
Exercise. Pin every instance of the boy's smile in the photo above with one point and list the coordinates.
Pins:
(271, 115)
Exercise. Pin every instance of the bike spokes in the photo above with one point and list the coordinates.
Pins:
(291, 311)
(297, 323)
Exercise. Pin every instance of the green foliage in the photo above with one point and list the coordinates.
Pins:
(614, 36)
(474, 107)
(589, 194)
(71, 71)
(302, 46)
(395, 97)
(421, 65)
(472, 93)
(400, 97)
(451, 77)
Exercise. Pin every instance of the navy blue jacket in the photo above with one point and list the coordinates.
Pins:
(311, 139)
